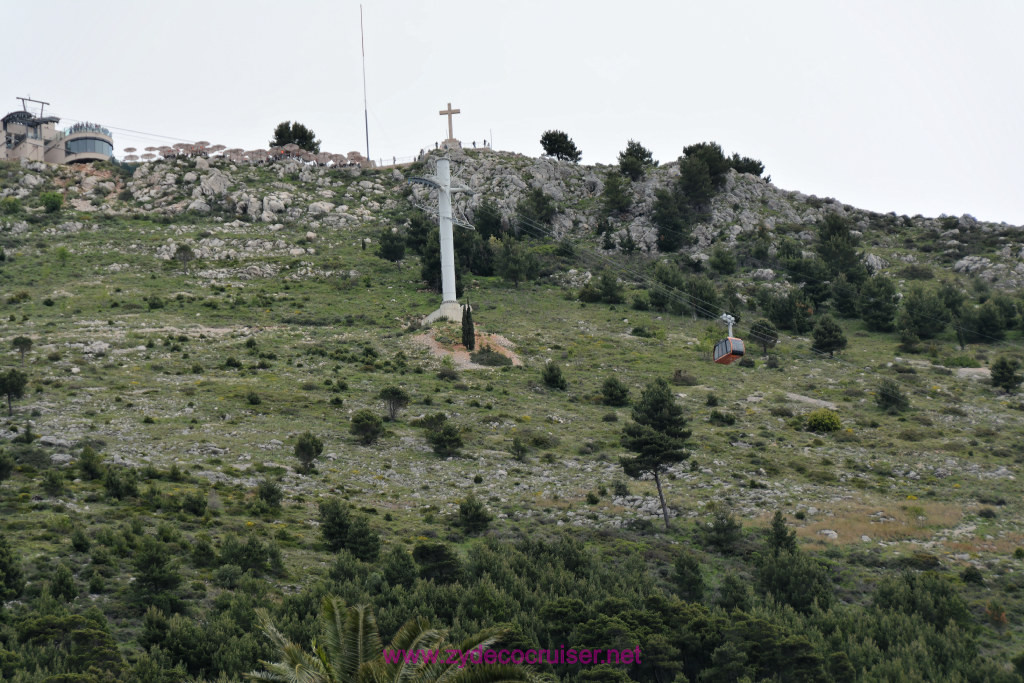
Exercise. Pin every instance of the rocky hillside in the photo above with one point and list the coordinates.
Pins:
(169, 390)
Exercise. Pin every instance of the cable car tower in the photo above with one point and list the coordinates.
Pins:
(731, 348)
(441, 181)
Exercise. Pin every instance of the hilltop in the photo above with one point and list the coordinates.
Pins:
(195, 375)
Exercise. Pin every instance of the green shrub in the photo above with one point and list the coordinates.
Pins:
(270, 493)
(194, 503)
(52, 201)
(90, 463)
(121, 482)
(252, 398)
(890, 397)
(552, 376)
(446, 440)
(823, 420)
(721, 532)
(473, 516)
(307, 449)
(614, 392)
(6, 465)
(795, 579)
(10, 205)
(489, 357)
(366, 426)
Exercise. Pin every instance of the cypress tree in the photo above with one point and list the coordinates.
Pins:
(468, 329)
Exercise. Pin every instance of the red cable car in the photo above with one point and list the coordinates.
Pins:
(728, 350)
(731, 348)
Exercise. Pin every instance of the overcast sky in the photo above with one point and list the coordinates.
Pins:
(913, 107)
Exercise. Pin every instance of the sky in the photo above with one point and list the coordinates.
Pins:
(888, 105)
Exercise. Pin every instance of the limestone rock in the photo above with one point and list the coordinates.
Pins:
(320, 208)
(214, 183)
(875, 263)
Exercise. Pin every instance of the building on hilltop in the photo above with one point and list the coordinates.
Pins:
(37, 138)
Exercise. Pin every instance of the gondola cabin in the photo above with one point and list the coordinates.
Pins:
(728, 350)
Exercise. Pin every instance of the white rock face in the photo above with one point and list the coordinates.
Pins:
(214, 183)
(96, 348)
(320, 208)
(875, 263)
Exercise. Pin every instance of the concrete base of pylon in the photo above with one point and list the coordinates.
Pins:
(450, 310)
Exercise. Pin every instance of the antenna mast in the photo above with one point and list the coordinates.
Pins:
(366, 116)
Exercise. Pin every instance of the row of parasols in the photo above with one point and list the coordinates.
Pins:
(238, 155)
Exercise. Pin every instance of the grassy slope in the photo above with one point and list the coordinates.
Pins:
(956, 440)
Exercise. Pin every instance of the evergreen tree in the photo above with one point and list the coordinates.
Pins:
(1005, 375)
(614, 392)
(780, 537)
(22, 345)
(764, 333)
(536, 207)
(446, 440)
(307, 449)
(392, 245)
(656, 434)
(844, 296)
(288, 132)
(366, 426)
(634, 160)
(184, 255)
(12, 384)
(890, 398)
(697, 184)
(688, 578)
(828, 336)
(515, 262)
(473, 516)
(487, 220)
(837, 246)
(12, 579)
(877, 303)
(671, 219)
(559, 145)
(552, 376)
(468, 329)
(922, 313)
(710, 154)
(615, 198)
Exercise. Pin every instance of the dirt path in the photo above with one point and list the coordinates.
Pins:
(460, 355)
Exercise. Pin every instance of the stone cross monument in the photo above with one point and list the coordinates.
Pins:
(449, 112)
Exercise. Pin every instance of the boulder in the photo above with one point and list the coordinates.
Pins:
(320, 208)
(875, 263)
(214, 183)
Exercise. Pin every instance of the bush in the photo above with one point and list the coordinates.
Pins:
(399, 568)
(6, 465)
(688, 578)
(823, 420)
(437, 562)
(473, 516)
(552, 376)
(307, 449)
(90, 463)
(489, 357)
(252, 398)
(10, 205)
(121, 482)
(343, 531)
(194, 503)
(614, 392)
(721, 419)
(446, 440)
(1005, 375)
(52, 201)
(270, 492)
(366, 426)
(721, 532)
(796, 580)
(890, 397)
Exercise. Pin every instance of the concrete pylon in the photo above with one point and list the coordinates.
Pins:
(442, 181)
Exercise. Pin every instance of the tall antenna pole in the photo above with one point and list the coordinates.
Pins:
(366, 116)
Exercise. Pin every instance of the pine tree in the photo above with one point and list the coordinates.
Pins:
(634, 160)
(828, 336)
(877, 303)
(559, 145)
(780, 537)
(12, 579)
(1005, 375)
(656, 435)
(615, 198)
(764, 333)
(468, 329)
(288, 132)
